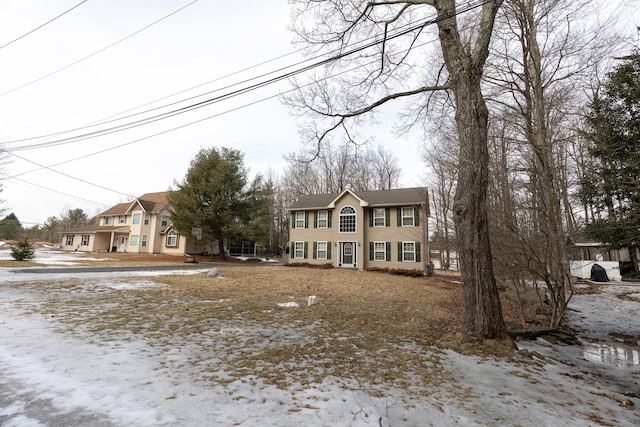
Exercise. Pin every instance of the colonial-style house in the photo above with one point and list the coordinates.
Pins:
(140, 226)
(361, 229)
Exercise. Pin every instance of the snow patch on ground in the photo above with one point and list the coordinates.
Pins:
(54, 257)
(288, 304)
(53, 376)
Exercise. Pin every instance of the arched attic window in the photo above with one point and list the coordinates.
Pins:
(347, 220)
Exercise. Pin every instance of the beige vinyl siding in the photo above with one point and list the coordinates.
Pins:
(364, 236)
(394, 234)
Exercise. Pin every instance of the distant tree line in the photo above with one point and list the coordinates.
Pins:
(12, 229)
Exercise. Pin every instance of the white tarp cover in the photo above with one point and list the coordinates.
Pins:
(582, 269)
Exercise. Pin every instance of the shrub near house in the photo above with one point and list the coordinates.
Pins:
(384, 229)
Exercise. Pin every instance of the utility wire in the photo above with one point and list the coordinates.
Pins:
(50, 167)
(46, 23)
(111, 119)
(84, 181)
(96, 52)
(429, 22)
(242, 90)
(51, 190)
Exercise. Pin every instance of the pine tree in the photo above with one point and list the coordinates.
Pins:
(23, 251)
(613, 189)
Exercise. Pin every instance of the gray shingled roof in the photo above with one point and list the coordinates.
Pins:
(119, 209)
(95, 228)
(153, 202)
(397, 197)
(150, 202)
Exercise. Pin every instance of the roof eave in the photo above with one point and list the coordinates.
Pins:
(363, 203)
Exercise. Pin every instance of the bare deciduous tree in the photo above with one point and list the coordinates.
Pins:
(388, 70)
(441, 160)
(546, 48)
(333, 170)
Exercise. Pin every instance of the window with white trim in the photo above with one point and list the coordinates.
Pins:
(321, 251)
(298, 250)
(144, 241)
(136, 218)
(379, 219)
(379, 251)
(172, 239)
(322, 219)
(408, 218)
(107, 220)
(122, 219)
(409, 251)
(69, 239)
(85, 240)
(347, 220)
(147, 218)
(300, 220)
(164, 221)
(133, 241)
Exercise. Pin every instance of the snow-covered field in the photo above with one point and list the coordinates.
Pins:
(50, 376)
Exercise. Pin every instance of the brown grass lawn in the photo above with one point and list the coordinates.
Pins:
(360, 328)
(370, 326)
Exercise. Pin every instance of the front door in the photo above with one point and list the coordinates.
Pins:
(122, 240)
(347, 254)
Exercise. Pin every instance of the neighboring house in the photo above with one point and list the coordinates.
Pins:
(444, 259)
(361, 229)
(583, 249)
(586, 256)
(140, 226)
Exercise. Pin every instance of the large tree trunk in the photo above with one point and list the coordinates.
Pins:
(465, 63)
(221, 250)
(483, 312)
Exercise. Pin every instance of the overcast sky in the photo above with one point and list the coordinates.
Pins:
(78, 70)
(108, 58)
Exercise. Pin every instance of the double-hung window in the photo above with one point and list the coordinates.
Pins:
(321, 250)
(408, 251)
(408, 217)
(69, 239)
(108, 220)
(298, 250)
(147, 218)
(164, 221)
(322, 219)
(122, 219)
(300, 220)
(145, 239)
(172, 239)
(136, 218)
(379, 218)
(134, 240)
(85, 240)
(379, 251)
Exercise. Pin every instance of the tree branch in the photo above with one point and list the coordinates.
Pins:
(384, 100)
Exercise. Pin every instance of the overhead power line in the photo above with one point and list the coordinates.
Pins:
(50, 167)
(40, 26)
(50, 190)
(423, 24)
(237, 92)
(98, 51)
(84, 181)
(119, 116)
(113, 119)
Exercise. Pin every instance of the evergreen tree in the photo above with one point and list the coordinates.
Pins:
(215, 196)
(10, 227)
(75, 218)
(23, 251)
(613, 189)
